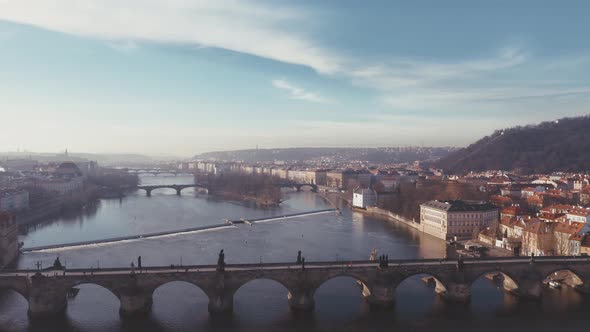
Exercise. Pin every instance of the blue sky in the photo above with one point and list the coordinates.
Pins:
(182, 77)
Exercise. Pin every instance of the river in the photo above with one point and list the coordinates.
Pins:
(262, 305)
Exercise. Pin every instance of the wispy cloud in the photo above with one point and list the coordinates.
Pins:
(244, 26)
(266, 29)
(298, 93)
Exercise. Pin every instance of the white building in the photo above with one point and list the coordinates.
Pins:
(447, 219)
(14, 200)
(62, 186)
(361, 198)
(581, 215)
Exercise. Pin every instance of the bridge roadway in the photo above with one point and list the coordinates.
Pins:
(157, 172)
(523, 276)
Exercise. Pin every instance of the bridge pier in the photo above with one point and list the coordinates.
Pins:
(528, 289)
(148, 192)
(45, 298)
(135, 302)
(379, 296)
(221, 304)
(456, 292)
(301, 299)
(178, 190)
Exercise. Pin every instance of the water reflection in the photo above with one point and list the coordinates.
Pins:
(262, 305)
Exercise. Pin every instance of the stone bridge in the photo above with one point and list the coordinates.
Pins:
(46, 290)
(178, 187)
(157, 172)
(297, 186)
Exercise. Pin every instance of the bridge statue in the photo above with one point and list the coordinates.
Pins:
(221, 262)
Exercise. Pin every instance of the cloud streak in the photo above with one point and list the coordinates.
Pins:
(298, 93)
(244, 26)
(266, 30)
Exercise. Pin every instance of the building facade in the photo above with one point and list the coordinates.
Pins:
(361, 198)
(14, 200)
(461, 219)
(8, 239)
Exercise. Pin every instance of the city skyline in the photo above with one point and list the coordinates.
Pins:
(183, 77)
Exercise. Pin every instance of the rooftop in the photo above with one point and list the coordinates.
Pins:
(460, 205)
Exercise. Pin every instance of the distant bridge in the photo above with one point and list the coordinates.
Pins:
(178, 187)
(297, 186)
(46, 290)
(157, 172)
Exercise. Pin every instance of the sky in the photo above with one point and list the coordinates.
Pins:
(181, 77)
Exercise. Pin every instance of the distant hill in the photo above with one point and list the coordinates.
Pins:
(372, 155)
(561, 145)
(102, 159)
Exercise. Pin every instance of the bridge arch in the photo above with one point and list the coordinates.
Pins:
(189, 299)
(272, 293)
(94, 283)
(261, 278)
(18, 290)
(313, 187)
(509, 282)
(177, 282)
(158, 189)
(353, 293)
(570, 276)
(92, 299)
(14, 303)
(365, 287)
(167, 173)
(439, 283)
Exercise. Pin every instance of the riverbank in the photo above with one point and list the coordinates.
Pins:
(382, 213)
(56, 206)
(259, 202)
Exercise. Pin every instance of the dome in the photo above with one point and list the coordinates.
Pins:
(68, 168)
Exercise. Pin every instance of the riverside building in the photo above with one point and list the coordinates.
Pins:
(461, 219)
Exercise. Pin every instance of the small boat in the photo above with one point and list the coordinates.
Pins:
(554, 284)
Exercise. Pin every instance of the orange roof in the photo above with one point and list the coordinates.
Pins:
(514, 210)
(573, 228)
(582, 212)
(539, 227)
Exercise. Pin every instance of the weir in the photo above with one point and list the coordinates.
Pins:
(229, 223)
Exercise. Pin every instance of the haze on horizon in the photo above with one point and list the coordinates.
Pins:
(179, 77)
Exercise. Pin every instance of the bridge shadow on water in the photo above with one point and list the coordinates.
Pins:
(261, 305)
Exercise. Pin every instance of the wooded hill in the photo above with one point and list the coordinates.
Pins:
(561, 145)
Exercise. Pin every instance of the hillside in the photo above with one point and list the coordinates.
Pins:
(373, 155)
(562, 145)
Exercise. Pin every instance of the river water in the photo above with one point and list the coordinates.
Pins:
(262, 305)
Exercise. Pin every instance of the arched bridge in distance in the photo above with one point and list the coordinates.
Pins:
(157, 171)
(178, 187)
(46, 290)
(297, 186)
